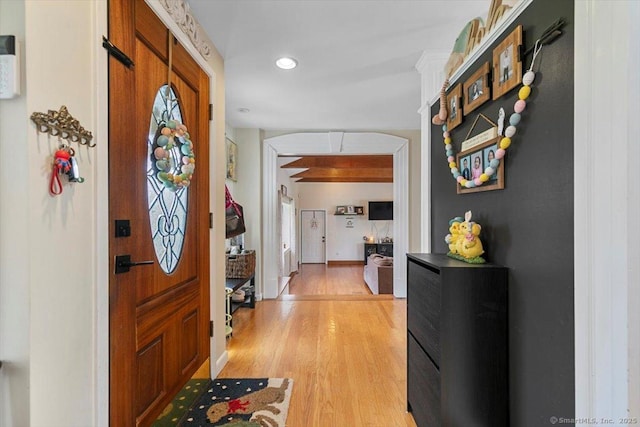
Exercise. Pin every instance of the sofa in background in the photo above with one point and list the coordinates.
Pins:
(378, 274)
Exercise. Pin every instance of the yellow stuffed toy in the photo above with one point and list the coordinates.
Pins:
(454, 234)
(464, 240)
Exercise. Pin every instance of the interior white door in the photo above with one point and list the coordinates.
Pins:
(312, 237)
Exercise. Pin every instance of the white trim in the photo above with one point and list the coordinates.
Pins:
(270, 244)
(220, 362)
(401, 219)
(496, 32)
(633, 154)
(430, 67)
(101, 119)
(606, 205)
(333, 143)
(425, 179)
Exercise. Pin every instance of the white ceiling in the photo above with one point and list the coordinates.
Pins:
(356, 58)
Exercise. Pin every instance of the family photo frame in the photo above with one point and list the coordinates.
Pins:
(473, 162)
(507, 65)
(477, 89)
(454, 107)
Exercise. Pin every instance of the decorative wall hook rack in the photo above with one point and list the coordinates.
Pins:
(549, 36)
(62, 124)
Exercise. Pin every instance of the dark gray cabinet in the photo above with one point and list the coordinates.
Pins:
(385, 249)
(456, 342)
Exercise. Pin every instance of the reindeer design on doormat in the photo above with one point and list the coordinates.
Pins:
(261, 400)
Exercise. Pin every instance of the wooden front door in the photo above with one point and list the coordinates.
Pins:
(158, 313)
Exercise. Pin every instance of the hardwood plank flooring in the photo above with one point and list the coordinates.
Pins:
(346, 353)
(318, 279)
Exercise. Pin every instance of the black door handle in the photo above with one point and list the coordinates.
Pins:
(124, 264)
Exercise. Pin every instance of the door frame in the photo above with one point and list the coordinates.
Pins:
(334, 143)
(324, 211)
(100, 70)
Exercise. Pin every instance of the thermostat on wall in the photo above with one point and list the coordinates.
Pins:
(9, 67)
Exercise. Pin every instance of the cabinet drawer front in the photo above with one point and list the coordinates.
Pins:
(369, 249)
(385, 249)
(423, 308)
(423, 386)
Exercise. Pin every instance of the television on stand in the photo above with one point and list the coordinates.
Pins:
(380, 211)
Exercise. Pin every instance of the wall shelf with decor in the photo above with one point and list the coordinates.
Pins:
(349, 210)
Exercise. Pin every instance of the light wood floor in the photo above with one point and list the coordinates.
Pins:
(318, 279)
(345, 352)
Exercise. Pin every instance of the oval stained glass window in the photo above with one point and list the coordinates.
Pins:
(167, 209)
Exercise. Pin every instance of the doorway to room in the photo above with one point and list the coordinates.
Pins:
(333, 143)
(312, 237)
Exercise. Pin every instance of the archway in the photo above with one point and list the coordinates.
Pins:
(337, 143)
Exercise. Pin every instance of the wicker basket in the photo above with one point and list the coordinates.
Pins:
(241, 265)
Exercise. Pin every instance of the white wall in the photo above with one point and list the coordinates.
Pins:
(247, 191)
(343, 243)
(48, 243)
(52, 285)
(14, 241)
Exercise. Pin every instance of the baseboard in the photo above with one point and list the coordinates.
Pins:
(344, 262)
(222, 360)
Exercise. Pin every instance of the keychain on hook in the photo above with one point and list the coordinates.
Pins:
(64, 163)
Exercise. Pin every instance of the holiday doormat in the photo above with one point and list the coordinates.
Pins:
(242, 402)
(176, 410)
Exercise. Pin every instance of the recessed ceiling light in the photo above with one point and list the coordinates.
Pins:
(286, 63)
(243, 110)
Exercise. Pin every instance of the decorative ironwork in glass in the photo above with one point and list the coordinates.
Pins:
(167, 209)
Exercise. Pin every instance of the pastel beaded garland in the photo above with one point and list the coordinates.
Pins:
(505, 142)
(172, 136)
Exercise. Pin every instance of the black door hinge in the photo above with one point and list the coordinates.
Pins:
(211, 328)
(117, 53)
(210, 220)
(210, 112)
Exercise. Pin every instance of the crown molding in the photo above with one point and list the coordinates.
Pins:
(181, 14)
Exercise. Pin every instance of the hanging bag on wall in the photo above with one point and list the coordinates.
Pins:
(234, 216)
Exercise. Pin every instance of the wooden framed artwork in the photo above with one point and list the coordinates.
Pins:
(507, 66)
(473, 162)
(476, 89)
(454, 107)
(232, 160)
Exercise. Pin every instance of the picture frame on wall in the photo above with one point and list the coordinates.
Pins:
(476, 89)
(341, 210)
(473, 162)
(454, 107)
(351, 209)
(507, 66)
(232, 160)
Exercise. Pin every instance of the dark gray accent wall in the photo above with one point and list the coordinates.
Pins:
(528, 226)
